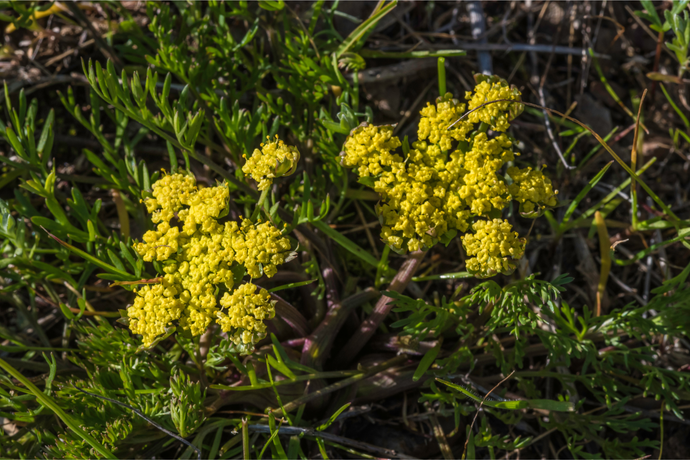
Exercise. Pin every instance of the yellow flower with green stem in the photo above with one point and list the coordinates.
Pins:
(450, 179)
(202, 259)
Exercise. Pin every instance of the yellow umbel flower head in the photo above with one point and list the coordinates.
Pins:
(368, 148)
(200, 256)
(495, 247)
(532, 189)
(275, 159)
(437, 118)
(245, 313)
(170, 193)
(499, 114)
(450, 177)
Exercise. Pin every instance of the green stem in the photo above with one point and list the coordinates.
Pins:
(259, 204)
(245, 440)
(441, 76)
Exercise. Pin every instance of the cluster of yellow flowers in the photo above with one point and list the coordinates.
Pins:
(433, 190)
(497, 114)
(246, 310)
(198, 259)
(530, 187)
(494, 244)
(275, 159)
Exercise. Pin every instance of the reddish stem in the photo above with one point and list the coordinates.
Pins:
(381, 310)
(318, 345)
(659, 42)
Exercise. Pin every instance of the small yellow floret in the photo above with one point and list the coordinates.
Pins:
(275, 159)
(170, 192)
(368, 149)
(483, 189)
(436, 119)
(152, 312)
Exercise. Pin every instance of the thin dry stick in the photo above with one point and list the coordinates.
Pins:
(441, 437)
(540, 89)
(477, 413)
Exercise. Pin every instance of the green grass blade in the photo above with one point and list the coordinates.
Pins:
(642, 254)
(615, 156)
(443, 276)
(346, 243)
(291, 285)
(332, 418)
(86, 256)
(580, 196)
(427, 361)
(675, 107)
(596, 148)
(609, 89)
(543, 404)
(605, 201)
(363, 28)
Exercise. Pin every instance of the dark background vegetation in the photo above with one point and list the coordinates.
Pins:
(540, 47)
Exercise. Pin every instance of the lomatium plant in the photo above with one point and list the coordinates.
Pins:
(363, 328)
(450, 179)
(203, 258)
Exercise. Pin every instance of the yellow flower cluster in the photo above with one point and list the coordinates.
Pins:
(435, 121)
(369, 149)
(531, 188)
(495, 246)
(435, 190)
(246, 310)
(200, 258)
(483, 189)
(275, 159)
(496, 115)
